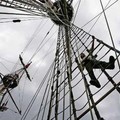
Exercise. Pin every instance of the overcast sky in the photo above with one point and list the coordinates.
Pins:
(14, 39)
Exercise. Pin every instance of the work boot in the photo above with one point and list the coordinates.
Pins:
(112, 62)
(95, 83)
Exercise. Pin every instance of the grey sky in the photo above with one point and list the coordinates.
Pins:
(15, 36)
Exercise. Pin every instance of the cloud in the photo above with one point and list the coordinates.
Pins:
(14, 38)
(11, 42)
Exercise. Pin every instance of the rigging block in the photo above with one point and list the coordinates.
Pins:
(59, 12)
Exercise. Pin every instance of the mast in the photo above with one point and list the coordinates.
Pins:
(68, 94)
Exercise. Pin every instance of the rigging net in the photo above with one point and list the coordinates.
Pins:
(67, 99)
(69, 78)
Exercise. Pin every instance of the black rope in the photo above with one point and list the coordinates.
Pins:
(36, 94)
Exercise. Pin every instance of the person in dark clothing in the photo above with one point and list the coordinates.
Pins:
(91, 63)
(10, 81)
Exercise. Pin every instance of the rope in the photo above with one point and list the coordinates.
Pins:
(46, 93)
(39, 46)
(36, 94)
(5, 67)
(34, 35)
(100, 13)
(6, 13)
(110, 33)
(79, 2)
(80, 41)
(63, 84)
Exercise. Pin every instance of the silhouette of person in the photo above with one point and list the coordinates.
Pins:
(10, 81)
(91, 63)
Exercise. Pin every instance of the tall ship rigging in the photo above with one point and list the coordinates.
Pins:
(71, 64)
